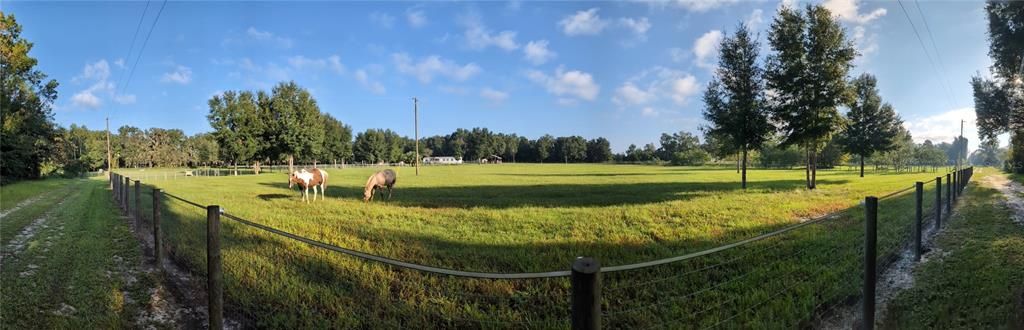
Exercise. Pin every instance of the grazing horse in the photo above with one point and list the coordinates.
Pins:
(379, 180)
(305, 179)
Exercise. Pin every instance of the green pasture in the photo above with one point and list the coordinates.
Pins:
(532, 218)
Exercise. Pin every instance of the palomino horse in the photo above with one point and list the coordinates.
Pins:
(379, 180)
(312, 178)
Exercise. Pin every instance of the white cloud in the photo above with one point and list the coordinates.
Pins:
(866, 43)
(181, 75)
(702, 5)
(569, 85)
(792, 4)
(683, 88)
(755, 19)
(654, 85)
(537, 52)
(94, 71)
(943, 127)
(478, 37)
(382, 19)
(706, 48)
(97, 75)
(629, 93)
(638, 26)
(584, 22)
(416, 17)
(649, 112)
(119, 63)
(849, 11)
(495, 96)
(268, 38)
(364, 79)
(428, 67)
(332, 62)
(86, 99)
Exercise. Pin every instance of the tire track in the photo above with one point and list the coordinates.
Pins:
(17, 244)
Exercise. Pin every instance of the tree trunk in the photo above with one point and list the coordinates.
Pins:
(814, 169)
(738, 162)
(807, 166)
(256, 167)
(862, 166)
(744, 176)
(291, 166)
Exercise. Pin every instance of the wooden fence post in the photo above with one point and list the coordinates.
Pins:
(214, 284)
(918, 215)
(938, 202)
(586, 293)
(157, 244)
(124, 195)
(138, 206)
(870, 239)
(949, 193)
(114, 189)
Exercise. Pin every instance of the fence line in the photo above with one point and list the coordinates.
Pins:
(121, 191)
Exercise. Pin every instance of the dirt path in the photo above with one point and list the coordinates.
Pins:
(17, 207)
(1012, 191)
(16, 245)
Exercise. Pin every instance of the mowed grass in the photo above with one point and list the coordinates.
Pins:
(976, 280)
(531, 218)
(75, 269)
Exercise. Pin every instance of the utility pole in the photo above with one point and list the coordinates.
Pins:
(961, 149)
(109, 164)
(416, 124)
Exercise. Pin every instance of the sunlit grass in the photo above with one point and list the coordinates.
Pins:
(527, 218)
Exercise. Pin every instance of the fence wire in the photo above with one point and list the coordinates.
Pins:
(733, 285)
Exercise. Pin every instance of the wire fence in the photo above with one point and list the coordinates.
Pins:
(798, 275)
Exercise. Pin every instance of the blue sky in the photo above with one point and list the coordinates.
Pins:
(624, 70)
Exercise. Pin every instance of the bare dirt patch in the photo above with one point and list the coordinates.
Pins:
(1012, 191)
(17, 207)
(17, 244)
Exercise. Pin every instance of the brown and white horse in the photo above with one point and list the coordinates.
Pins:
(312, 178)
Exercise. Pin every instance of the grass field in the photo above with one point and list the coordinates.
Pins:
(976, 278)
(527, 218)
(69, 260)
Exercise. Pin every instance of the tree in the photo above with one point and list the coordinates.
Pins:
(26, 106)
(988, 154)
(299, 128)
(872, 126)
(807, 75)
(337, 139)
(599, 150)
(370, 146)
(203, 149)
(570, 149)
(237, 126)
(734, 100)
(543, 146)
(456, 143)
(999, 102)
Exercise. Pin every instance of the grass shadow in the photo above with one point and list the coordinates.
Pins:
(560, 195)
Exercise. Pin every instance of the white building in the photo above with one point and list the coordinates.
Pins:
(442, 160)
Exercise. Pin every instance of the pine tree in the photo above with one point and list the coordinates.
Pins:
(872, 127)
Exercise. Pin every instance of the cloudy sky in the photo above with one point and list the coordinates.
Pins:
(624, 70)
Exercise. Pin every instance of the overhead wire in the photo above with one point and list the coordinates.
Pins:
(131, 47)
(928, 54)
(143, 48)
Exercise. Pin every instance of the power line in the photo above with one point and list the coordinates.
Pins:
(926, 53)
(935, 48)
(143, 49)
(131, 47)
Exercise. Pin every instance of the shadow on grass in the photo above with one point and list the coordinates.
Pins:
(560, 195)
(277, 282)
